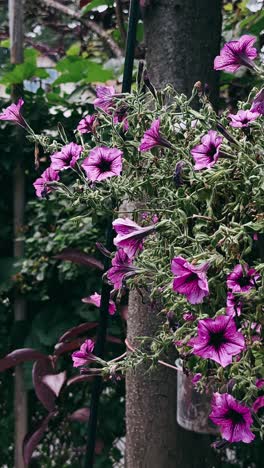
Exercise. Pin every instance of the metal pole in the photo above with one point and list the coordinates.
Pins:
(20, 395)
(105, 293)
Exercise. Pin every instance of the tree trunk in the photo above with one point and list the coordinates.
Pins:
(20, 394)
(182, 38)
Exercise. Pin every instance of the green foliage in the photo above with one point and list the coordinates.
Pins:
(74, 69)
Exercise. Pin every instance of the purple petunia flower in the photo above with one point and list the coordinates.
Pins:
(196, 378)
(41, 187)
(233, 418)
(260, 383)
(13, 113)
(103, 162)
(191, 280)
(218, 339)
(84, 355)
(206, 154)
(258, 403)
(104, 98)
(188, 317)
(152, 138)
(95, 299)
(66, 158)
(258, 103)
(130, 235)
(234, 305)
(242, 279)
(120, 117)
(236, 53)
(121, 269)
(242, 118)
(87, 124)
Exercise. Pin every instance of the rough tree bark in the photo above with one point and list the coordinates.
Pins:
(182, 37)
(20, 395)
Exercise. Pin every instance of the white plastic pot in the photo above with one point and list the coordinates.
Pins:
(193, 408)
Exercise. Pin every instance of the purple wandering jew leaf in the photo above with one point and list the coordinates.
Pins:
(114, 339)
(61, 348)
(19, 356)
(80, 379)
(33, 438)
(78, 330)
(44, 393)
(55, 382)
(79, 257)
(80, 415)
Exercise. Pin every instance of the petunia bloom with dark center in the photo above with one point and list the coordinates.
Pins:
(87, 124)
(237, 53)
(102, 163)
(206, 154)
(242, 279)
(242, 118)
(41, 186)
(218, 339)
(190, 280)
(66, 158)
(233, 418)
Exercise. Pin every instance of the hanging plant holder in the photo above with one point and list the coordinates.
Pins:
(193, 408)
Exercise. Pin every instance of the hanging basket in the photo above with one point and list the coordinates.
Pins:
(193, 408)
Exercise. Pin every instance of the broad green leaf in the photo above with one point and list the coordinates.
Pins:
(5, 43)
(74, 49)
(94, 4)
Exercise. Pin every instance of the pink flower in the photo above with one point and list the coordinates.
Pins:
(196, 378)
(242, 118)
(102, 163)
(152, 138)
(233, 418)
(66, 158)
(218, 339)
(87, 124)
(121, 269)
(120, 117)
(206, 154)
(188, 317)
(234, 305)
(84, 355)
(104, 98)
(236, 53)
(242, 279)
(191, 280)
(130, 235)
(13, 113)
(41, 187)
(95, 299)
(258, 403)
(260, 383)
(258, 103)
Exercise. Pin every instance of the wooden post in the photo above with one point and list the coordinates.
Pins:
(20, 396)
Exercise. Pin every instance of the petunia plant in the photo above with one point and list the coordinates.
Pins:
(185, 189)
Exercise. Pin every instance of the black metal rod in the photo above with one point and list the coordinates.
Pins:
(106, 289)
(130, 45)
